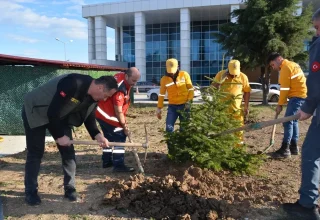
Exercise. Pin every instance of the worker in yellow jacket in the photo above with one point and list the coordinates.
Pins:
(293, 87)
(178, 85)
(235, 83)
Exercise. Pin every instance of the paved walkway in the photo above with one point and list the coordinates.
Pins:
(14, 144)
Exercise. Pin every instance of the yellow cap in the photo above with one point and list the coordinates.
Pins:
(234, 67)
(172, 65)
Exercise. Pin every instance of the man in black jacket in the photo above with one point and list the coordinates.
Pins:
(63, 102)
(307, 205)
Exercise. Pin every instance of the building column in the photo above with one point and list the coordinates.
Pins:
(232, 8)
(185, 39)
(121, 43)
(101, 39)
(117, 44)
(140, 43)
(91, 40)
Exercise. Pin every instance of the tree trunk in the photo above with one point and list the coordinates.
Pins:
(265, 80)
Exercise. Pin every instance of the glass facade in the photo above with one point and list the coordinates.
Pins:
(206, 54)
(128, 45)
(163, 42)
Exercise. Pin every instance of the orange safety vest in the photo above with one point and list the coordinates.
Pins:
(105, 110)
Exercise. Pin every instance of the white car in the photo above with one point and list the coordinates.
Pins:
(154, 93)
(256, 93)
(274, 86)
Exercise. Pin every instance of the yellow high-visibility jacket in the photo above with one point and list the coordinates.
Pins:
(179, 92)
(292, 82)
(234, 86)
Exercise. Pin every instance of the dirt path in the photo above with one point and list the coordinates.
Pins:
(103, 192)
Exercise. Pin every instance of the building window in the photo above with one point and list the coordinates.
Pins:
(128, 45)
(206, 55)
(162, 43)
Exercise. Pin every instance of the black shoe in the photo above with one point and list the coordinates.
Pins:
(107, 165)
(122, 168)
(71, 194)
(32, 198)
(283, 152)
(294, 148)
(297, 211)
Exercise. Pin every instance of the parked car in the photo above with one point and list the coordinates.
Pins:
(256, 93)
(154, 93)
(275, 86)
(145, 86)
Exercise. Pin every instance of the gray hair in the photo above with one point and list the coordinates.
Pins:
(316, 15)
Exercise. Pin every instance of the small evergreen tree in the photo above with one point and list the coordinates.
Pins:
(265, 26)
(196, 142)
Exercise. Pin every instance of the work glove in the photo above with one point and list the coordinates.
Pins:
(158, 113)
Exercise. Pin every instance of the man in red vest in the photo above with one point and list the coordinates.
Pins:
(111, 115)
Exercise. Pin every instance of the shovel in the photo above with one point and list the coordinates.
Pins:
(271, 139)
(258, 125)
(136, 156)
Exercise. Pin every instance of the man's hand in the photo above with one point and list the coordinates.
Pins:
(158, 113)
(63, 141)
(103, 142)
(278, 109)
(245, 112)
(303, 115)
(126, 130)
(216, 85)
(187, 105)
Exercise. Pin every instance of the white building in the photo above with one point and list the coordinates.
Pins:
(148, 32)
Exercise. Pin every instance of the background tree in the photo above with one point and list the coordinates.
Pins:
(265, 26)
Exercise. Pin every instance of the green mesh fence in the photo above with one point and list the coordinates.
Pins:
(16, 81)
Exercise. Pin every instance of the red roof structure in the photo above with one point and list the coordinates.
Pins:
(16, 60)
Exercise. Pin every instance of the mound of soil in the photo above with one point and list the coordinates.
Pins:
(200, 194)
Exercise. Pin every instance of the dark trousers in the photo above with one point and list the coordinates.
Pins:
(35, 139)
(310, 166)
(1, 211)
(115, 156)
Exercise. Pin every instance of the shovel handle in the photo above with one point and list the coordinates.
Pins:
(259, 125)
(274, 130)
(110, 143)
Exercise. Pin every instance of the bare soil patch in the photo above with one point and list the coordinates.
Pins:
(167, 191)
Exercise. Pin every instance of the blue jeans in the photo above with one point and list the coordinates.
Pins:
(115, 156)
(291, 128)
(310, 166)
(173, 114)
